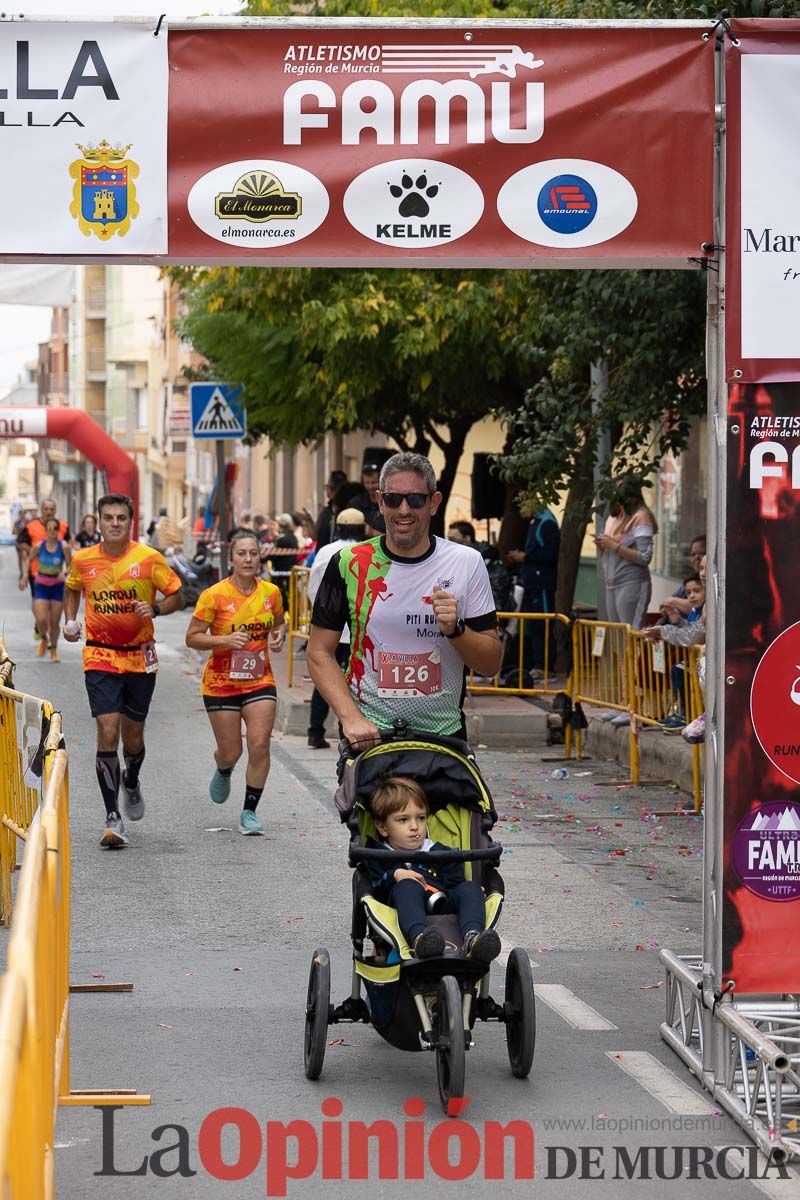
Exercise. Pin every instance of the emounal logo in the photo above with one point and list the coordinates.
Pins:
(567, 203)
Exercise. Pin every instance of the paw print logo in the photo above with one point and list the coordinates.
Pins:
(411, 193)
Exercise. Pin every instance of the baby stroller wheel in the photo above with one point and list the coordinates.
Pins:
(520, 1010)
(448, 1030)
(317, 1011)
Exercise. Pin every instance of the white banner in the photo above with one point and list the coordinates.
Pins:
(23, 422)
(83, 130)
(770, 198)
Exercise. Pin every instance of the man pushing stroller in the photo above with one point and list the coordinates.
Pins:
(420, 612)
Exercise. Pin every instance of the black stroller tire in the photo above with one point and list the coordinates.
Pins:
(317, 1010)
(450, 1042)
(520, 1013)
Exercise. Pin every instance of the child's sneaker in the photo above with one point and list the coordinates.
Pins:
(481, 944)
(429, 944)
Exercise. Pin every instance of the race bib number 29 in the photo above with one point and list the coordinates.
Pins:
(248, 664)
(409, 674)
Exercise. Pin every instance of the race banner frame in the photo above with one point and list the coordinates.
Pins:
(439, 143)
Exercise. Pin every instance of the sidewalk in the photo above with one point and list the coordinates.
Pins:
(497, 722)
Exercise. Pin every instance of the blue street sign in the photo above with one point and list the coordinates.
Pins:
(216, 412)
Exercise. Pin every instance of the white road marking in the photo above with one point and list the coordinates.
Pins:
(662, 1083)
(505, 950)
(570, 1008)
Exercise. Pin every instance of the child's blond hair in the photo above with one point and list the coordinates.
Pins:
(394, 794)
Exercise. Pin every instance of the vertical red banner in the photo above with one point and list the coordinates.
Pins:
(761, 914)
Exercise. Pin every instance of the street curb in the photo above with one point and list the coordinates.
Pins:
(661, 756)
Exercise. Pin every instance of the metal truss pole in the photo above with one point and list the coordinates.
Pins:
(745, 1052)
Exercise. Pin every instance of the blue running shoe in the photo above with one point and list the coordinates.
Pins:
(249, 824)
(220, 787)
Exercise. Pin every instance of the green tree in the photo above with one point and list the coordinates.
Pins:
(648, 328)
(417, 355)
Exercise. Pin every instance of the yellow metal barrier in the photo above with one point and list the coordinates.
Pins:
(618, 668)
(299, 615)
(546, 686)
(34, 992)
(23, 720)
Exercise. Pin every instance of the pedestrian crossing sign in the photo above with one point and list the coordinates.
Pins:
(217, 411)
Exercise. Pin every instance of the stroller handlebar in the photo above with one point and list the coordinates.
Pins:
(362, 853)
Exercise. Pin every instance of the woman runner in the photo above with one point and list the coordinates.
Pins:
(240, 620)
(48, 589)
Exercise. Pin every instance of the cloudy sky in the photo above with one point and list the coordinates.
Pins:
(22, 328)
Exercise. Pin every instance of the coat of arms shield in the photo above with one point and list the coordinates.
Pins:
(104, 195)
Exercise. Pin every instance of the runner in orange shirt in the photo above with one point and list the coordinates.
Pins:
(240, 620)
(119, 579)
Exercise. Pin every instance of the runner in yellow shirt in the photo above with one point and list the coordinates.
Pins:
(119, 579)
(240, 620)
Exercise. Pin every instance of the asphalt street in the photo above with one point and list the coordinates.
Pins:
(216, 932)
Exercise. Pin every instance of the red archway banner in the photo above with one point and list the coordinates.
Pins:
(81, 431)
(500, 144)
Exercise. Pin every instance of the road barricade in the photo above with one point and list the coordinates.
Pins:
(299, 615)
(34, 993)
(616, 667)
(24, 724)
(35, 989)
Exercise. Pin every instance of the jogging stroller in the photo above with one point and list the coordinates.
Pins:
(431, 1003)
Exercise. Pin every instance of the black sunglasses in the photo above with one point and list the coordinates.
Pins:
(415, 499)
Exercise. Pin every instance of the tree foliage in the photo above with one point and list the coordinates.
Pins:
(647, 327)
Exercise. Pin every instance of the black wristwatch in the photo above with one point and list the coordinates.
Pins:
(461, 625)
(156, 610)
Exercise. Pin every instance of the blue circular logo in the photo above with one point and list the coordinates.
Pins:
(567, 204)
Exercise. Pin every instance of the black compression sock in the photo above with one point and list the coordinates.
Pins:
(133, 765)
(252, 795)
(225, 772)
(107, 764)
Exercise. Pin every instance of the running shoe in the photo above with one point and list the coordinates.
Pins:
(54, 655)
(429, 944)
(37, 637)
(249, 824)
(220, 787)
(675, 721)
(41, 649)
(132, 801)
(114, 837)
(482, 945)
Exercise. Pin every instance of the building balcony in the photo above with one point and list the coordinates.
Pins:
(96, 363)
(96, 301)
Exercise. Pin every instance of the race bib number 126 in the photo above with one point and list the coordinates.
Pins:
(409, 674)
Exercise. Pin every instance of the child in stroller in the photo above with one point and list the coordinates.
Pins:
(428, 1000)
(400, 810)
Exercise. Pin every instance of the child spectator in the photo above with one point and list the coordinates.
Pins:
(400, 809)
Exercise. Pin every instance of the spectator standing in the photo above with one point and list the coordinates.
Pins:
(538, 570)
(626, 544)
(349, 528)
(282, 564)
(88, 534)
(367, 499)
(326, 521)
